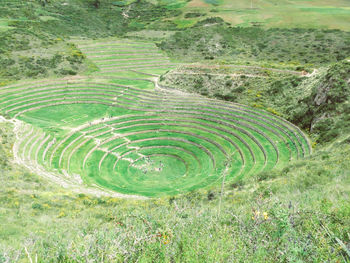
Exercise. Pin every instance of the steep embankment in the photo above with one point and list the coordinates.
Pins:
(317, 102)
(33, 44)
(325, 110)
(298, 48)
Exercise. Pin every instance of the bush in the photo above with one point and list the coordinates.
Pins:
(193, 15)
(268, 175)
(37, 206)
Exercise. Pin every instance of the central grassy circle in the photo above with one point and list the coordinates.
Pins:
(158, 168)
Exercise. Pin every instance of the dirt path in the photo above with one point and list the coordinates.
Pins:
(218, 74)
(159, 87)
(243, 66)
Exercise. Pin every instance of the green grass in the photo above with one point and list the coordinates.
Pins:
(184, 23)
(206, 138)
(305, 202)
(213, 2)
(302, 48)
(113, 55)
(173, 4)
(284, 14)
(4, 25)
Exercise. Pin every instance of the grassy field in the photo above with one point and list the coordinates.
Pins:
(281, 14)
(113, 56)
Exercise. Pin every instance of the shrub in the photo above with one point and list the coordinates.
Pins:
(37, 206)
(267, 175)
(211, 195)
(193, 15)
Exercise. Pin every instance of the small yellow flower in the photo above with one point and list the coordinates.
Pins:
(165, 239)
(266, 216)
(61, 214)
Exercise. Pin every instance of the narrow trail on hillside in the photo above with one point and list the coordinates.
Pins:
(217, 74)
(288, 71)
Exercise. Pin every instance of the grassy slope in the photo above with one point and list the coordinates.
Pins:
(333, 14)
(322, 99)
(214, 40)
(26, 54)
(300, 213)
(31, 27)
(35, 22)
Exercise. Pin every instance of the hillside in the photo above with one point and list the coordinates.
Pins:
(174, 131)
(322, 98)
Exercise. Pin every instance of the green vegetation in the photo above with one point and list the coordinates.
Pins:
(34, 26)
(325, 111)
(299, 213)
(298, 47)
(40, 23)
(322, 99)
(135, 141)
(84, 18)
(113, 56)
(174, 131)
(22, 57)
(281, 14)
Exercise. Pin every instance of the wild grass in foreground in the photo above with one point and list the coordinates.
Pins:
(298, 214)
